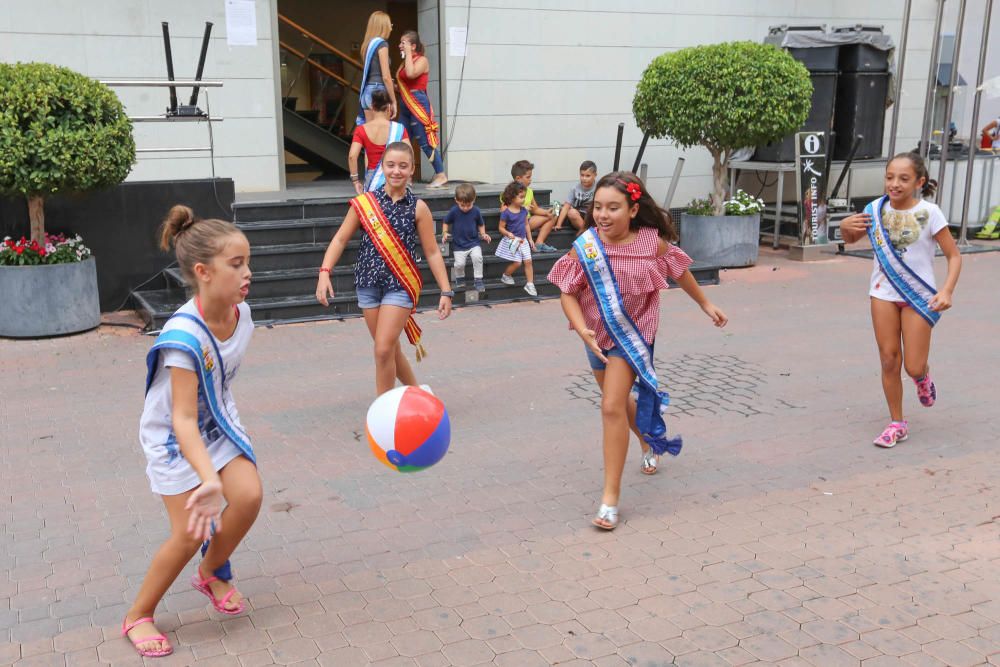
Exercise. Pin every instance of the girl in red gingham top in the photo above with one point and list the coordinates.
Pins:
(637, 236)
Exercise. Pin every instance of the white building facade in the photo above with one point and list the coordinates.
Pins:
(543, 80)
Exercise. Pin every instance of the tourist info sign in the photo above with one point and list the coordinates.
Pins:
(811, 167)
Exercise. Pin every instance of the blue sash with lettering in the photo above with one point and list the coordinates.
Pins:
(378, 178)
(914, 289)
(369, 54)
(651, 401)
(189, 334)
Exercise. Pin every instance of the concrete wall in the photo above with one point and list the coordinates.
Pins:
(549, 80)
(121, 39)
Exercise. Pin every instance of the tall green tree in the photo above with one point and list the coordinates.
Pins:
(723, 97)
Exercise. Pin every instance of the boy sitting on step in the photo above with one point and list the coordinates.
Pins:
(580, 197)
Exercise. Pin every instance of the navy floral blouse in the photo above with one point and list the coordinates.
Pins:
(371, 270)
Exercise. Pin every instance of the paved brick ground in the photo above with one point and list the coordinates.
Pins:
(779, 536)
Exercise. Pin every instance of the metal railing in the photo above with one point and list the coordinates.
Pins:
(173, 118)
(307, 54)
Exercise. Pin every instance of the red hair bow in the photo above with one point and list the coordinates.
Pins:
(634, 191)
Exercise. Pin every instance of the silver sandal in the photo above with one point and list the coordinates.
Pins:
(607, 514)
(650, 460)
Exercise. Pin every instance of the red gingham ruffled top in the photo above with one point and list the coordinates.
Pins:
(640, 274)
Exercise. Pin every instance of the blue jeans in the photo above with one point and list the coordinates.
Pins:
(373, 297)
(417, 132)
(365, 99)
(368, 178)
(597, 365)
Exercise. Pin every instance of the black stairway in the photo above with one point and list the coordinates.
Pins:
(288, 239)
(313, 143)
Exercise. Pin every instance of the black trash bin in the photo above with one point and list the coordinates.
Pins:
(861, 57)
(821, 58)
(860, 109)
(820, 119)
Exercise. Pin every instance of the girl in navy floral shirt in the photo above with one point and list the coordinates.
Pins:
(385, 303)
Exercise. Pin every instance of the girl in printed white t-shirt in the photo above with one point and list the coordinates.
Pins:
(915, 228)
(197, 452)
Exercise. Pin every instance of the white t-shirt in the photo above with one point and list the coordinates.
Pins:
(912, 233)
(168, 471)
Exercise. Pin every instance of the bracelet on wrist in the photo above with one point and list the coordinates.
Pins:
(448, 293)
(323, 269)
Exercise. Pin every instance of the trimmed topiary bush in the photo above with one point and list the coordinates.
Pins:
(60, 132)
(723, 97)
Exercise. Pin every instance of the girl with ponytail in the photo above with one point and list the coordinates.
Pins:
(905, 230)
(197, 451)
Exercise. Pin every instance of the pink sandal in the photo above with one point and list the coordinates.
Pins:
(202, 585)
(893, 433)
(146, 653)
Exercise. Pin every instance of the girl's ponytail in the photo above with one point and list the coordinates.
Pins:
(194, 240)
(178, 220)
(930, 187)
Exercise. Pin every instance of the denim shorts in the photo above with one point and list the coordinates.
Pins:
(597, 365)
(373, 297)
(366, 93)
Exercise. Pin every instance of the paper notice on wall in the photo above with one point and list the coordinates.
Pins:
(241, 23)
(456, 41)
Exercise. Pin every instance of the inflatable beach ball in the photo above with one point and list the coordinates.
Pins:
(408, 429)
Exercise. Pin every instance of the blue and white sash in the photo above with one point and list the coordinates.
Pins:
(369, 54)
(378, 178)
(189, 334)
(651, 402)
(914, 289)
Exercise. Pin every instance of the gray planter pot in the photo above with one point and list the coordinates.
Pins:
(49, 299)
(726, 241)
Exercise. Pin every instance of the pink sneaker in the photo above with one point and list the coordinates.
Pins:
(926, 391)
(893, 433)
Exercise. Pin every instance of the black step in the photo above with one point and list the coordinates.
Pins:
(337, 206)
(303, 255)
(302, 280)
(289, 238)
(288, 295)
(156, 306)
(321, 230)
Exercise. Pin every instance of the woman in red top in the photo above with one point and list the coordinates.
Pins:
(373, 137)
(416, 113)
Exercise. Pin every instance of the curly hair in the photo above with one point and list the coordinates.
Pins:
(511, 192)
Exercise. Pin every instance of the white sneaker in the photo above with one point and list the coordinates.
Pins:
(530, 289)
(506, 280)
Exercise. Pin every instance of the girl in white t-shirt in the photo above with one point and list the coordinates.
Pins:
(915, 228)
(196, 448)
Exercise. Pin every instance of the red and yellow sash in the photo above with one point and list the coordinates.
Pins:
(396, 257)
(426, 119)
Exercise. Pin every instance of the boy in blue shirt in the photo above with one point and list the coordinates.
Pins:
(467, 229)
